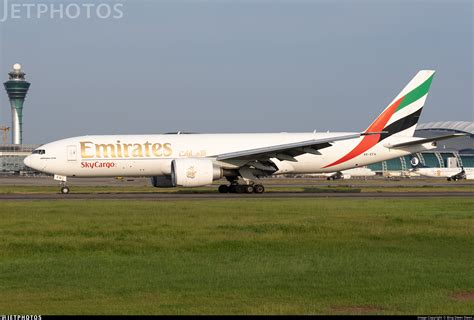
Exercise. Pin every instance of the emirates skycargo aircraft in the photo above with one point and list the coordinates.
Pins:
(191, 160)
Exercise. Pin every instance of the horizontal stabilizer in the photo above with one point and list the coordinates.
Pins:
(427, 140)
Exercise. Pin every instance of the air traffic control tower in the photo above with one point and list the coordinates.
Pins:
(17, 88)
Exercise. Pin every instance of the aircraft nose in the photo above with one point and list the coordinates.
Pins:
(29, 162)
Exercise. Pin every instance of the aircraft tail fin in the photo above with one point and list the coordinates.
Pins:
(398, 119)
(402, 114)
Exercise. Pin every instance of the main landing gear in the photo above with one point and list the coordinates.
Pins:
(241, 188)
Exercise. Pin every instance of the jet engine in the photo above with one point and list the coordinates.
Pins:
(194, 172)
(162, 182)
(414, 162)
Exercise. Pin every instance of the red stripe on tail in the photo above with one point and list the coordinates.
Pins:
(370, 140)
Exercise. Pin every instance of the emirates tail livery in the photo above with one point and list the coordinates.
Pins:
(191, 160)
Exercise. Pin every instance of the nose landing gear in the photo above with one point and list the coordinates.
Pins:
(63, 182)
(64, 189)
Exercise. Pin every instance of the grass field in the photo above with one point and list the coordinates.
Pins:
(330, 256)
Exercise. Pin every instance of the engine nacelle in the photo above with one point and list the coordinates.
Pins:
(414, 162)
(194, 172)
(162, 182)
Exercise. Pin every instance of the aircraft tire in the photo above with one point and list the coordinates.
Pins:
(258, 188)
(248, 189)
(223, 188)
(65, 190)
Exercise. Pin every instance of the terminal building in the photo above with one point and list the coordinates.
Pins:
(463, 145)
(461, 149)
(11, 158)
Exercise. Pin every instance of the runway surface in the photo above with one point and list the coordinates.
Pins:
(378, 182)
(217, 196)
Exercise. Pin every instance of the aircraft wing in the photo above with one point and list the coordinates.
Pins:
(286, 151)
(427, 140)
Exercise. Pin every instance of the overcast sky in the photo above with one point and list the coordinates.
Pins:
(236, 66)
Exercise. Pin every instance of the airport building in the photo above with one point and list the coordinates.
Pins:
(11, 158)
(463, 145)
(434, 159)
(457, 152)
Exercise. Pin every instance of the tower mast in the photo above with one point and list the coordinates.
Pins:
(17, 88)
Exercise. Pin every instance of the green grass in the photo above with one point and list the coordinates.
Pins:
(327, 256)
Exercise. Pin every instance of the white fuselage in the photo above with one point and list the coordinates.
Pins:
(151, 155)
(445, 172)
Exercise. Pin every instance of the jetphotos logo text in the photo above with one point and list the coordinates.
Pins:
(60, 10)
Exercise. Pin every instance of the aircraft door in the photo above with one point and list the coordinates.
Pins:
(71, 153)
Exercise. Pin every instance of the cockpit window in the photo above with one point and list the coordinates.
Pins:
(38, 151)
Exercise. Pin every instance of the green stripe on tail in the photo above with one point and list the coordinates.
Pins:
(416, 93)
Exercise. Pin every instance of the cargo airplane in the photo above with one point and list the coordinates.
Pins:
(451, 174)
(191, 160)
